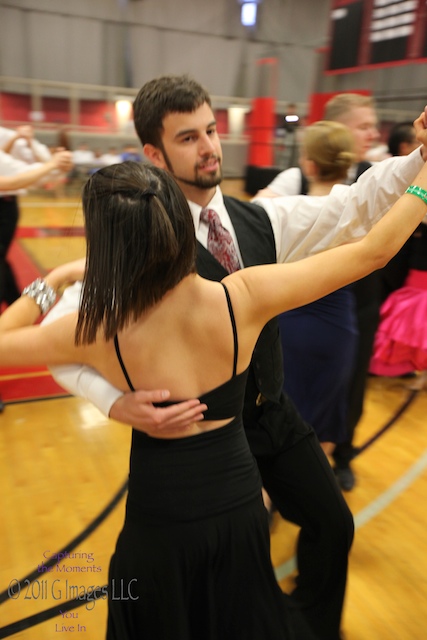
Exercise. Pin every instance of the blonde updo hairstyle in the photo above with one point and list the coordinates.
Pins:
(330, 146)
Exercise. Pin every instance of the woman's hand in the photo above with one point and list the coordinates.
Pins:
(420, 125)
(66, 274)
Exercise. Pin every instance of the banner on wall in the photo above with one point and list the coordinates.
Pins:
(367, 33)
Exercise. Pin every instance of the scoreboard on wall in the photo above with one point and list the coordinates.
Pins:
(367, 33)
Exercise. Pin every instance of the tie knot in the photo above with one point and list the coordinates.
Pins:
(209, 216)
(220, 243)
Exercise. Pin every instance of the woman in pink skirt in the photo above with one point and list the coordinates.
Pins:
(401, 341)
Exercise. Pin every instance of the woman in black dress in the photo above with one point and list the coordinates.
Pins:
(192, 560)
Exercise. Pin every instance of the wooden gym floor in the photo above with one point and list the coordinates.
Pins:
(64, 468)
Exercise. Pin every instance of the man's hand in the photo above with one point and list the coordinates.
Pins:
(63, 160)
(136, 409)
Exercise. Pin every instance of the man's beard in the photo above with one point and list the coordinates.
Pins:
(201, 182)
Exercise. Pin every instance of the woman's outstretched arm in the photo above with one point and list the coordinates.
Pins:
(272, 289)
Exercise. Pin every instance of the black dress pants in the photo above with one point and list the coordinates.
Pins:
(299, 480)
(368, 302)
(9, 214)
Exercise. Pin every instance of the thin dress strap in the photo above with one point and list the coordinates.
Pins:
(122, 364)
(236, 345)
(233, 324)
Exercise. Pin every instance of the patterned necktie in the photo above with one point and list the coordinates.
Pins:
(220, 242)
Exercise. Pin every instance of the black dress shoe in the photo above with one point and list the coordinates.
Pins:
(345, 478)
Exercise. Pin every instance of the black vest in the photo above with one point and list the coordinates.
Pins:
(257, 246)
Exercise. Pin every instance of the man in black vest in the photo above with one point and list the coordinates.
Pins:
(176, 125)
(186, 143)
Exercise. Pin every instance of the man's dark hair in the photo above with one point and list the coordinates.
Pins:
(401, 132)
(140, 244)
(161, 96)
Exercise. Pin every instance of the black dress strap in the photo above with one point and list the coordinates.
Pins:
(236, 345)
(122, 364)
(233, 324)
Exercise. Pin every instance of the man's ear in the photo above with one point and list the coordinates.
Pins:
(155, 156)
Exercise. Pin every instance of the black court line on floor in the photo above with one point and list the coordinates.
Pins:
(48, 614)
(413, 393)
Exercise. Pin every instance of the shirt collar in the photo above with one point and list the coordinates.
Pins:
(216, 203)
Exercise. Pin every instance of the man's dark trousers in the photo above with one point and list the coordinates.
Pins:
(294, 470)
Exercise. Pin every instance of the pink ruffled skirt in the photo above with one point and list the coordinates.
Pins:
(401, 339)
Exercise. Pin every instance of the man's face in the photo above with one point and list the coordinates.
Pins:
(362, 122)
(192, 150)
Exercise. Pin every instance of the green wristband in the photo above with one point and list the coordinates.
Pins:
(417, 191)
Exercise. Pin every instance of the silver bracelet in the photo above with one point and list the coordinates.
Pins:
(43, 294)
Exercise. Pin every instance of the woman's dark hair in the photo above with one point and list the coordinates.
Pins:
(140, 244)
